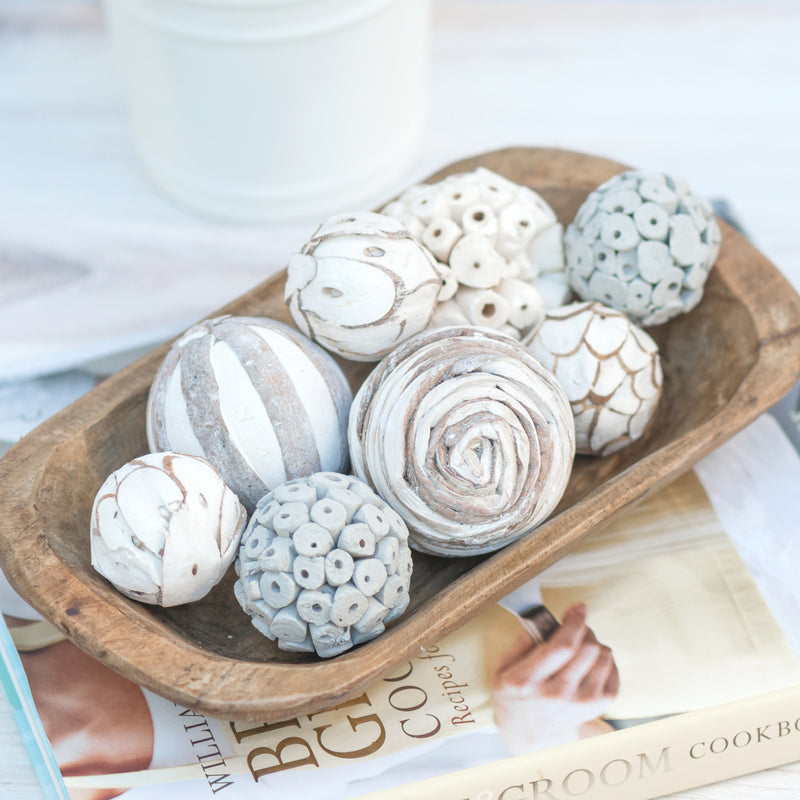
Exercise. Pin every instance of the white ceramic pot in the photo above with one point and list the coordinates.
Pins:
(273, 110)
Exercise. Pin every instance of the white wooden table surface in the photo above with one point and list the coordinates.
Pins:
(93, 261)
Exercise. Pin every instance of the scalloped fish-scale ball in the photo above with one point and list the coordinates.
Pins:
(623, 399)
(647, 383)
(638, 423)
(576, 373)
(362, 284)
(633, 355)
(562, 340)
(258, 400)
(610, 431)
(612, 376)
(606, 334)
(608, 383)
(661, 239)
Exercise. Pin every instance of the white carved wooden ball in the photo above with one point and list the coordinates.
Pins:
(256, 398)
(165, 528)
(644, 244)
(323, 565)
(361, 285)
(498, 247)
(466, 436)
(609, 368)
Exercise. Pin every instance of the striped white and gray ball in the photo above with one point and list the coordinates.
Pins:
(257, 399)
(323, 565)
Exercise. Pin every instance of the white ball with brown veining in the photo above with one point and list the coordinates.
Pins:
(361, 285)
(609, 368)
(165, 528)
(466, 436)
(257, 399)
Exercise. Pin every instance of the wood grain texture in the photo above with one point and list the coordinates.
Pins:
(726, 362)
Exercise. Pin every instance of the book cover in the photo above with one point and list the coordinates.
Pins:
(674, 664)
(15, 687)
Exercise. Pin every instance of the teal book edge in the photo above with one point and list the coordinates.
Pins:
(15, 685)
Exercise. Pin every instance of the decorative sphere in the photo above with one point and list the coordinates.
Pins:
(642, 243)
(361, 285)
(260, 401)
(609, 368)
(466, 436)
(165, 528)
(498, 246)
(323, 565)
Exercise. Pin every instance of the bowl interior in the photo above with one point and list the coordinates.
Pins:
(706, 354)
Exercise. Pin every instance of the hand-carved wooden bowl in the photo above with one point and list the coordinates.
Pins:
(725, 363)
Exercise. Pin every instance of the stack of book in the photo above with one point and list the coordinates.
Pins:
(691, 593)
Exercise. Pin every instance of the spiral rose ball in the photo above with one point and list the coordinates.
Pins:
(466, 436)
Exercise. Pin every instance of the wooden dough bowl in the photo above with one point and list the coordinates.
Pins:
(725, 363)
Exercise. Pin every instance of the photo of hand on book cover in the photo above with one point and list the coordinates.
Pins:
(658, 617)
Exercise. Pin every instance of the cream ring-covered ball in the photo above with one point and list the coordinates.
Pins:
(257, 399)
(165, 528)
(361, 285)
(610, 370)
(466, 436)
(488, 232)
